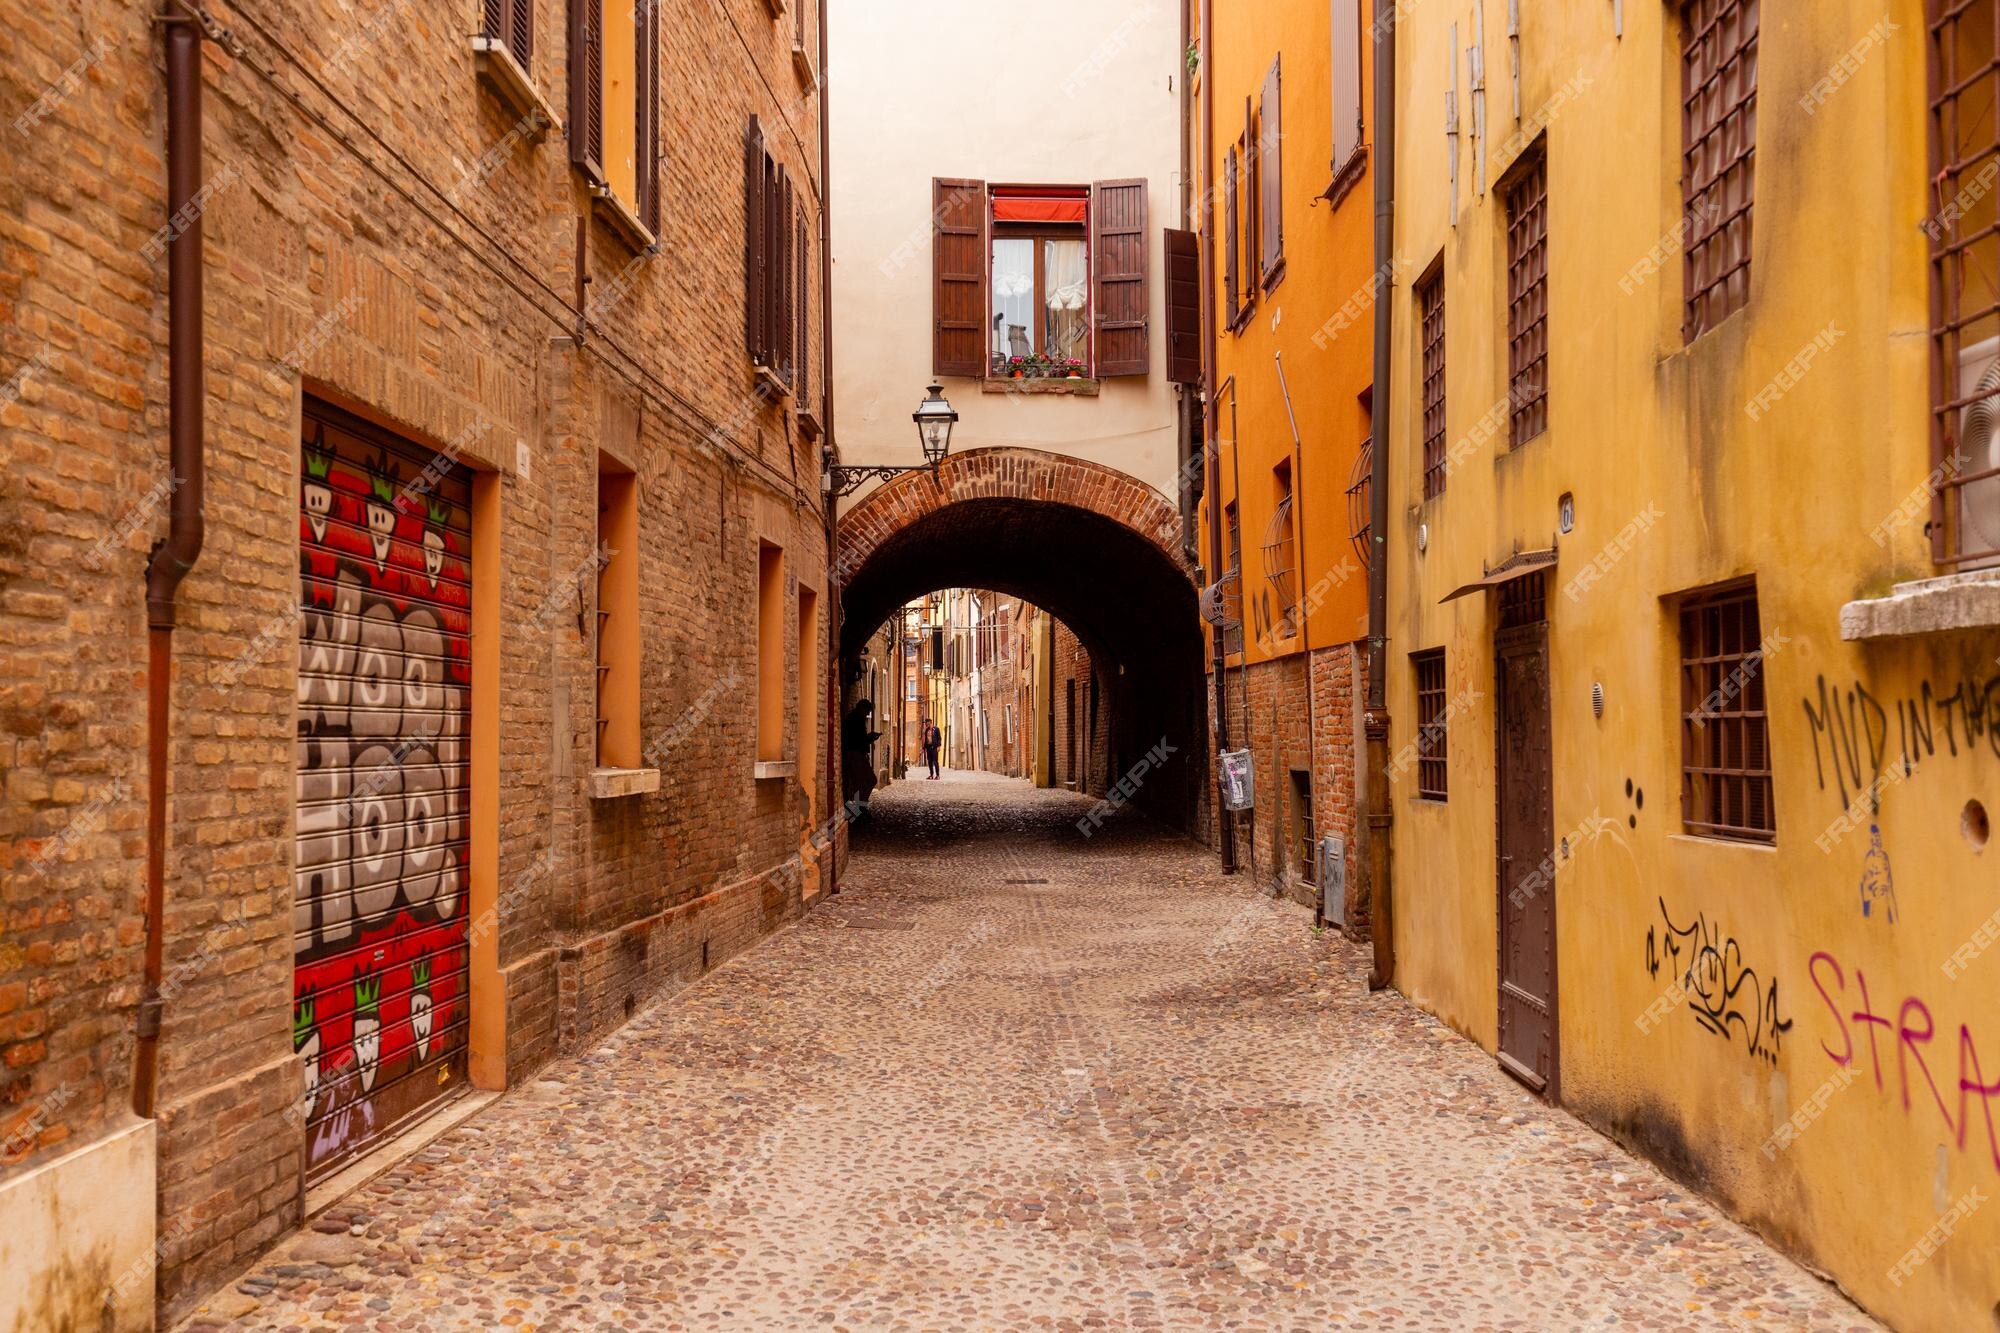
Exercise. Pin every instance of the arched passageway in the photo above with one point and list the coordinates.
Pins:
(1095, 548)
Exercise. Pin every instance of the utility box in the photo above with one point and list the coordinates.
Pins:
(1239, 780)
(1333, 880)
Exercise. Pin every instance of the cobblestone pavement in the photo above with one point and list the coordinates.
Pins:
(1014, 1078)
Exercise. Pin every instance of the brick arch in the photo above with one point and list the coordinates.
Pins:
(1008, 474)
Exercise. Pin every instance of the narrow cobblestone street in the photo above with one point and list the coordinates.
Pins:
(1011, 1077)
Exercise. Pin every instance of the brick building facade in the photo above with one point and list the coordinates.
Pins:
(393, 239)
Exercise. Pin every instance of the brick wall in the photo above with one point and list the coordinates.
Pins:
(1269, 714)
(446, 320)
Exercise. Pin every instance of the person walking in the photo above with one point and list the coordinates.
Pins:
(933, 742)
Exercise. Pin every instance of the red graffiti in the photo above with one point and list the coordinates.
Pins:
(1911, 1033)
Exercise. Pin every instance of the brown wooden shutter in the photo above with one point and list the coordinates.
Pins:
(649, 114)
(1251, 195)
(958, 277)
(1347, 111)
(788, 333)
(1232, 246)
(804, 305)
(755, 260)
(1183, 307)
(512, 24)
(1271, 175)
(1118, 264)
(586, 87)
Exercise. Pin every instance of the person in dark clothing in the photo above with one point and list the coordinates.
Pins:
(933, 742)
(857, 745)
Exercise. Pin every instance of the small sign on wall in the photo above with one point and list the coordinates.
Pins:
(1239, 782)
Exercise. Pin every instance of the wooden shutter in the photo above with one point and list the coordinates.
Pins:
(782, 291)
(1251, 200)
(1271, 174)
(586, 87)
(804, 303)
(1231, 245)
(1183, 307)
(1118, 255)
(1347, 110)
(512, 24)
(755, 260)
(958, 277)
(649, 114)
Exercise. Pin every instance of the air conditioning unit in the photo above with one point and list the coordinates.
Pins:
(1979, 447)
(1333, 880)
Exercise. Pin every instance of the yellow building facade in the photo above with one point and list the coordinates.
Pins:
(1280, 135)
(1681, 637)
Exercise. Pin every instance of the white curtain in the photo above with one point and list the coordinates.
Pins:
(1066, 272)
(1013, 297)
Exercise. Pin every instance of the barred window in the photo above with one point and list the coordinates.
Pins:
(1725, 747)
(1719, 155)
(1430, 314)
(1964, 231)
(1528, 296)
(1431, 724)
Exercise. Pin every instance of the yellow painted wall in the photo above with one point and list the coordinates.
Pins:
(1678, 485)
(1318, 317)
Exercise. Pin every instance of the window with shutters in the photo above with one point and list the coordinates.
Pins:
(1183, 307)
(1432, 725)
(1725, 743)
(776, 279)
(1527, 195)
(615, 112)
(1430, 321)
(1348, 113)
(1040, 281)
(503, 53)
(1270, 172)
(770, 653)
(618, 743)
(1232, 239)
(1718, 147)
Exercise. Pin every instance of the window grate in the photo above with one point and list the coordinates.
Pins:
(1281, 559)
(1302, 832)
(1524, 601)
(1432, 783)
(1964, 233)
(1430, 307)
(1528, 296)
(1719, 155)
(1725, 746)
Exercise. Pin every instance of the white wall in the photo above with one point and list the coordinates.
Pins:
(1046, 92)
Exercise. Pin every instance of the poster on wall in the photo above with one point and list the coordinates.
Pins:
(1239, 786)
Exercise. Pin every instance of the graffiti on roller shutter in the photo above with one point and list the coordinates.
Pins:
(384, 677)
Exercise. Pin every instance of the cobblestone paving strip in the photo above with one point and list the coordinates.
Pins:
(1011, 1078)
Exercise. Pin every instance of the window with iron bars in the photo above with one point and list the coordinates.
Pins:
(1302, 826)
(1964, 232)
(1430, 316)
(1725, 744)
(1432, 781)
(1719, 156)
(1528, 295)
(1281, 556)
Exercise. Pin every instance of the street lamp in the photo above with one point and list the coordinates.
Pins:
(934, 417)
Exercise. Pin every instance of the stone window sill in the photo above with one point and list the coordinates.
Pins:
(1079, 388)
(619, 216)
(1927, 606)
(608, 784)
(803, 66)
(502, 73)
(772, 770)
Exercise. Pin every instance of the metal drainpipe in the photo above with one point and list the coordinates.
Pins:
(1381, 812)
(829, 450)
(1225, 824)
(175, 556)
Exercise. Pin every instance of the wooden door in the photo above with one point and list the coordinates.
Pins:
(1526, 838)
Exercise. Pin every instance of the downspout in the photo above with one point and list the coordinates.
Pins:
(829, 451)
(1381, 812)
(175, 556)
(1224, 823)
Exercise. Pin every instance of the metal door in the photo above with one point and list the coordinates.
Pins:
(1526, 838)
(380, 1004)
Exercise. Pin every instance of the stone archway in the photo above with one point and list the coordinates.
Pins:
(1095, 547)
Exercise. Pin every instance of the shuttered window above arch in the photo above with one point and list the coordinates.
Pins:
(614, 111)
(777, 276)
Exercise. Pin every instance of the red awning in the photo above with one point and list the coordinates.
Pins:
(1022, 208)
